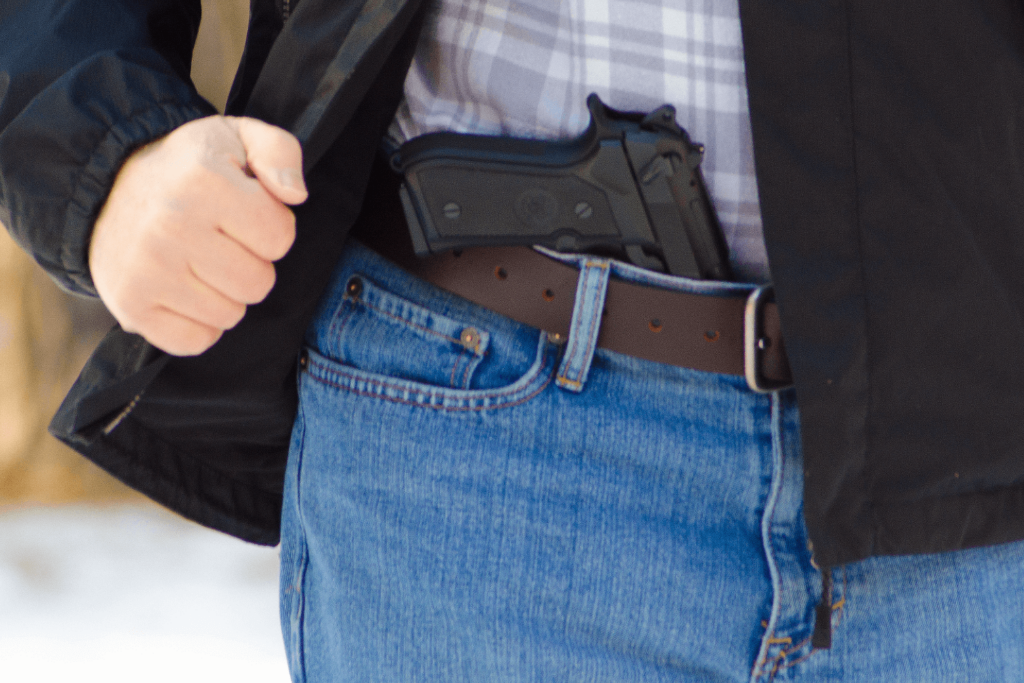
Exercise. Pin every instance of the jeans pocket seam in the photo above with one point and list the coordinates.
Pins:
(405, 321)
(409, 392)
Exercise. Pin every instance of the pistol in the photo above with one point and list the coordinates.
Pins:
(629, 185)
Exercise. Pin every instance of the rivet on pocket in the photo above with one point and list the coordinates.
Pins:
(470, 338)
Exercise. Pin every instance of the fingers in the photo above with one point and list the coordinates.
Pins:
(188, 323)
(257, 221)
(252, 209)
(232, 270)
(176, 334)
(275, 157)
(187, 239)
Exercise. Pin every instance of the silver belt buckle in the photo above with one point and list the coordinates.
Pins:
(755, 343)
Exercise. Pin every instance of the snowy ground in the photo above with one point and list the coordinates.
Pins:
(118, 594)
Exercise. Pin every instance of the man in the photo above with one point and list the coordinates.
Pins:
(471, 499)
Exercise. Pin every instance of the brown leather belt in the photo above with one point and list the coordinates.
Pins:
(736, 335)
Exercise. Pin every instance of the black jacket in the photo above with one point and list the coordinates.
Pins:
(891, 179)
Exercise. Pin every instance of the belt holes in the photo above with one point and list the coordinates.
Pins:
(456, 253)
(548, 294)
(711, 335)
(656, 325)
(500, 273)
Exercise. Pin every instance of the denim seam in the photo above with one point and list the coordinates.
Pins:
(837, 608)
(392, 385)
(777, 662)
(341, 317)
(777, 460)
(595, 321)
(574, 333)
(299, 611)
(297, 655)
(466, 371)
(590, 324)
(525, 383)
(406, 321)
(434, 406)
(471, 364)
(344, 314)
(455, 370)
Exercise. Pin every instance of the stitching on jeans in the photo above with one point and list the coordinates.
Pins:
(595, 322)
(408, 322)
(776, 661)
(575, 332)
(387, 385)
(591, 337)
(455, 366)
(465, 375)
(837, 607)
(341, 319)
(499, 394)
(337, 325)
(418, 404)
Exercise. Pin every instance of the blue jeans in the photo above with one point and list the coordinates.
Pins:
(469, 500)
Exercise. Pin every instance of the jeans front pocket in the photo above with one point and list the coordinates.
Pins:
(382, 333)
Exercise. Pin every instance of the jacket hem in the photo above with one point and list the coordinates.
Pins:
(183, 484)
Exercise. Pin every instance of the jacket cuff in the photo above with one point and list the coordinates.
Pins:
(93, 184)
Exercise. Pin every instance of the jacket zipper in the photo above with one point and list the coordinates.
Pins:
(112, 425)
(286, 9)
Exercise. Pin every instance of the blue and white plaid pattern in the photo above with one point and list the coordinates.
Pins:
(525, 67)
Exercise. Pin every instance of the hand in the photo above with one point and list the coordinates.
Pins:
(192, 226)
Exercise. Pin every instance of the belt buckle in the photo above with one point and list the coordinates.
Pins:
(754, 342)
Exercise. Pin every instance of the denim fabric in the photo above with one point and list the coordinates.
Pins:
(453, 514)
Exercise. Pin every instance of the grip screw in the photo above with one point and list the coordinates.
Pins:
(584, 211)
(452, 211)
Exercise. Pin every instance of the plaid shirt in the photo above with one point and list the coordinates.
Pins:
(525, 67)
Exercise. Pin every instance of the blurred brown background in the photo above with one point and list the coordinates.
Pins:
(46, 334)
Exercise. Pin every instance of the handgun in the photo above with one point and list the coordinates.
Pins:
(629, 185)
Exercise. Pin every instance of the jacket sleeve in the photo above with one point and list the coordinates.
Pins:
(82, 84)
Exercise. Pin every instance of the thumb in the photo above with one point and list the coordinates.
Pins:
(275, 158)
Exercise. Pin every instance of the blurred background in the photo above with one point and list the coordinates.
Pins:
(96, 583)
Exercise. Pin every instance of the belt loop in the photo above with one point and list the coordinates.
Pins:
(585, 325)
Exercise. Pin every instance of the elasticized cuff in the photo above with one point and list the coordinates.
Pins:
(97, 177)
